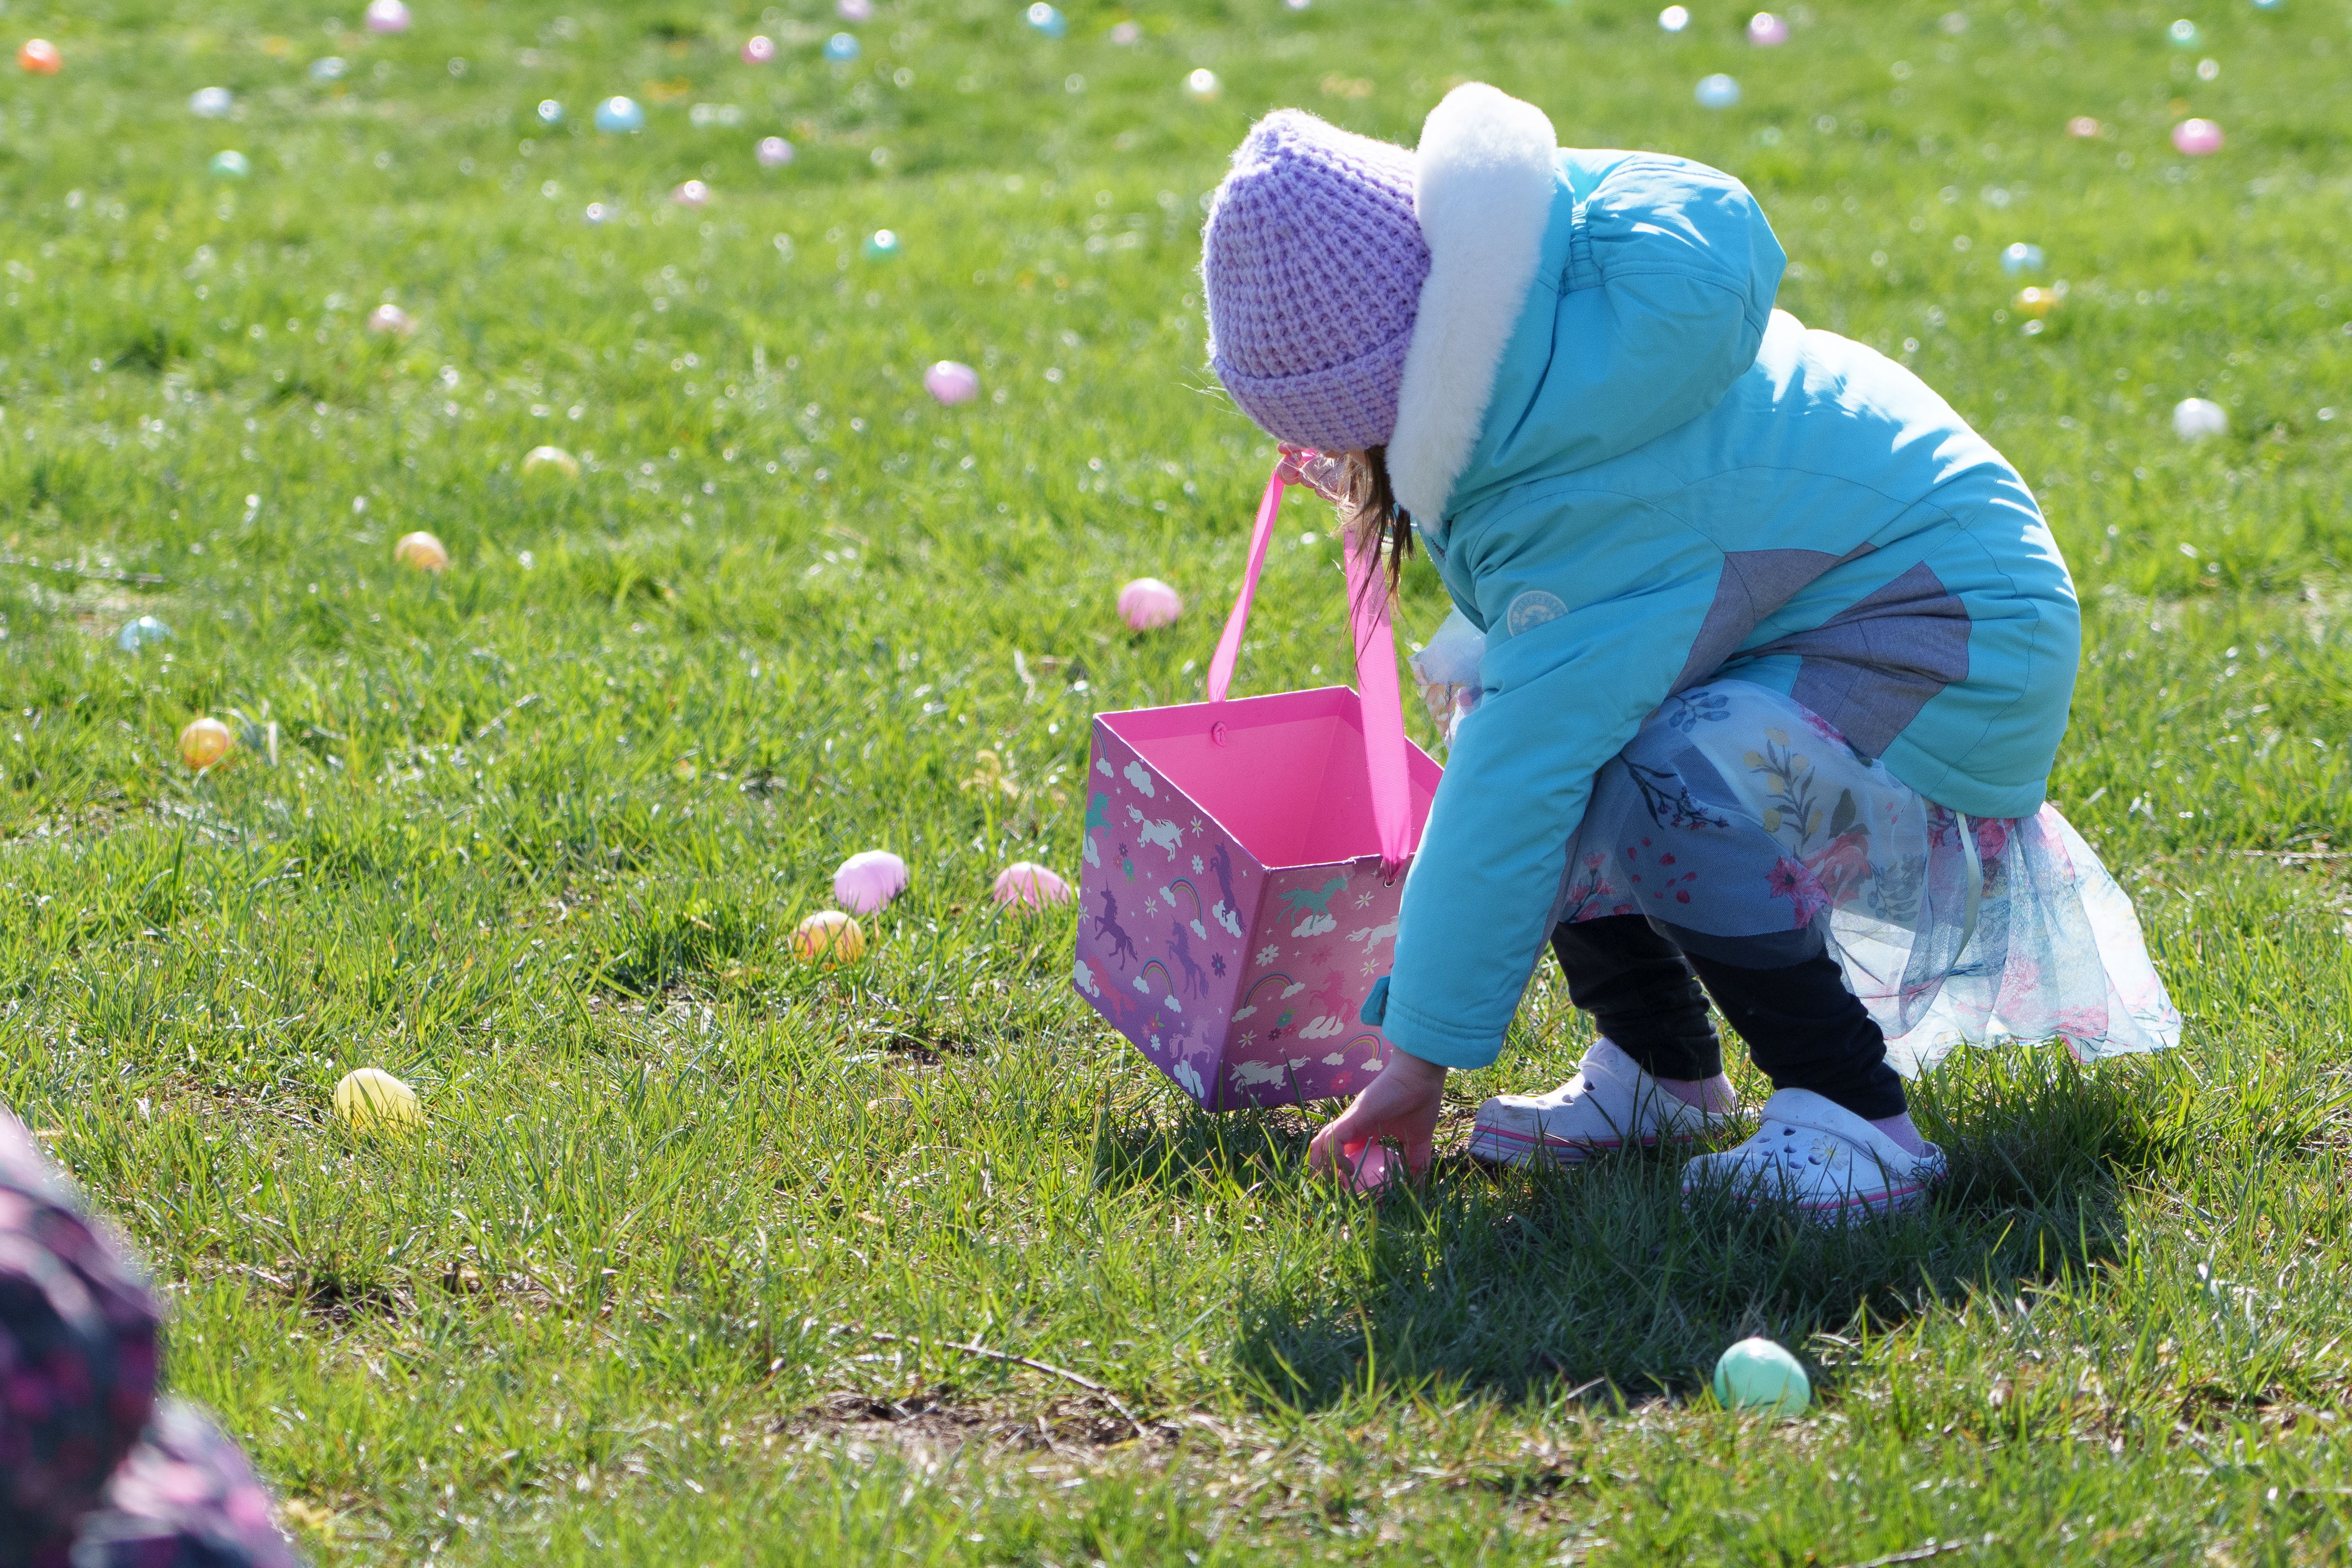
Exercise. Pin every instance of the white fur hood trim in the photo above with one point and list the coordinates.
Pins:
(1483, 193)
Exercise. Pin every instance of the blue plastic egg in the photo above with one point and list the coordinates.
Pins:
(1716, 91)
(549, 112)
(619, 116)
(841, 49)
(230, 165)
(1047, 20)
(881, 246)
(137, 633)
(2022, 258)
(2183, 34)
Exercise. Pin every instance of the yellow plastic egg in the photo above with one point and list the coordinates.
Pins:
(548, 462)
(205, 744)
(422, 551)
(371, 1097)
(828, 936)
(2038, 303)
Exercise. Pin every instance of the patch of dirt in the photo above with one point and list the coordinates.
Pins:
(932, 1426)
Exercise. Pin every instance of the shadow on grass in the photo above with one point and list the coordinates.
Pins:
(1523, 1285)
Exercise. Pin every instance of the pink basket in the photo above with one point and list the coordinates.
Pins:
(1243, 868)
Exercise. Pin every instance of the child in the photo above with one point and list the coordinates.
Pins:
(1777, 652)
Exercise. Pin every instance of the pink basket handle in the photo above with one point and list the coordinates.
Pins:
(1375, 673)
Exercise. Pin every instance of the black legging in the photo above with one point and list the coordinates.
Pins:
(1803, 1027)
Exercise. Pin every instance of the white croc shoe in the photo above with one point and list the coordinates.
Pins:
(1610, 1103)
(1815, 1156)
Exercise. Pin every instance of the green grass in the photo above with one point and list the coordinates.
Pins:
(672, 1273)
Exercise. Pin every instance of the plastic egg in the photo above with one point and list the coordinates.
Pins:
(139, 632)
(1757, 1375)
(758, 49)
(618, 116)
(1047, 20)
(2183, 34)
(371, 1097)
(390, 318)
(2195, 418)
(2082, 127)
(597, 212)
(2196, 138)
(1025, 885)
(774, 151)
(421, 552)
(842, 47)
(387, 17)
(692, 194)
(1674, 18)
(2038, 303)
(1716, 91)
(882, 244)
(551, 461)
(1127, 33)
(1201, 84)
(330, 68)
(212, 103)
(828, 936)
(870, 880)
(2020, 257)
(1148, 604)
(1766, 31)
(853, 10)
(230, 164)
(2268, 5)
(951, 382)
(40, 58)
(551, 112)
(205, 744)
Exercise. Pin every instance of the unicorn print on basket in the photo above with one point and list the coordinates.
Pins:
(1097, 815)
(1107, 926)
(1314, 903)
(1196, 979)
(1225, 912)
(1372, 936)
(1166, 835)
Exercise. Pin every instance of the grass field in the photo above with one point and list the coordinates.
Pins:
(674, 1274)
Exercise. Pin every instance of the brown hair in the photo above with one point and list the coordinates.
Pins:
(1371, 511)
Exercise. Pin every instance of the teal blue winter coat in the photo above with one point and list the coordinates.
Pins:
(1674, 481)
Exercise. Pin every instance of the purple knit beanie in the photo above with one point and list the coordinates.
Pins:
(1312, 263)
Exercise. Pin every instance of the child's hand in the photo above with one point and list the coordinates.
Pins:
(1401, 1104)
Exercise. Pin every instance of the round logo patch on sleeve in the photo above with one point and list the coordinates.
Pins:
(1532, 609)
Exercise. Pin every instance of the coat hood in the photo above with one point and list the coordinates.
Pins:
(1577, 305)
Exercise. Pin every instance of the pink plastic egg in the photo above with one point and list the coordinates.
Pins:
(774, 151)
(2196, 138)
(855, 10)
(870, 880)
(390, 318)
(1766, 31)
(1148, 604)
(952, 383)
(758, 49)
(2082, 128)
(1025, 885)
(693, 193)
(387, 17)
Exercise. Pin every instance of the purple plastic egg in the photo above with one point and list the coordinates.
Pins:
(855, 10)
(2196, 138)
(1148, 604)
(758, 49)
(387, 17)
(774, 151)
(390, 318)
(692, 194)
(868, 879)
(1025, 885)
(951, 382)
(1766, 31)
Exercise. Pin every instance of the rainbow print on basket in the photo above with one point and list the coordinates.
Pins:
(1243, 871)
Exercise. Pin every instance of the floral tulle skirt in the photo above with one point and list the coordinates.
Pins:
(1739, 816)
